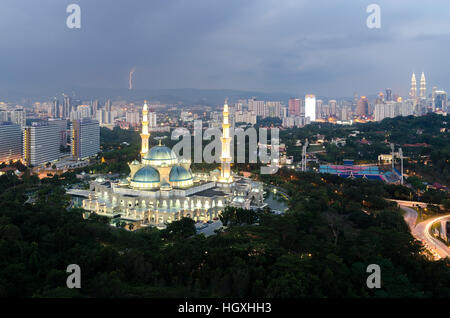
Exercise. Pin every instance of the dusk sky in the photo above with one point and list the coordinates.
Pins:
(293, 46)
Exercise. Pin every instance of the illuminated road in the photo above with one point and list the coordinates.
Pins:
(421, 232)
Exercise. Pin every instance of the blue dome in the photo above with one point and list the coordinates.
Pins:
(178, 173)
(160, 153)
(146, 174)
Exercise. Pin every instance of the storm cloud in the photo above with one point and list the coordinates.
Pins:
(322, 47)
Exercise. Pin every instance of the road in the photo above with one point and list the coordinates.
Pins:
(209, 230)
(421, 232)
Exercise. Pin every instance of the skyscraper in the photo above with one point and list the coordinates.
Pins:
(310, 107)
(423, 86)
(10, 142)
(55, 108)
(413, 90)
(85, 138)
(41, 143)
(152, 119)
(67, 107)
(294, 106)
(333, 104)
(362, 108)
(18, 116)
(388, 94)
(108, 105)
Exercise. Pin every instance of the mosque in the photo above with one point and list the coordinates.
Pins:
(162, 188)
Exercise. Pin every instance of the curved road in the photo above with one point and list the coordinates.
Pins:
(421, 232)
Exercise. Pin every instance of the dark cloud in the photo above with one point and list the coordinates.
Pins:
(294, 46)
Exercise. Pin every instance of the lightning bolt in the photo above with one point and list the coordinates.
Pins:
(130, 80)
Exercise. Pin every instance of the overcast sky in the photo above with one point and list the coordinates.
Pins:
(295, 46)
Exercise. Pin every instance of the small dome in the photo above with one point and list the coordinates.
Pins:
(135, 162)
(146, 174)
(178, 173)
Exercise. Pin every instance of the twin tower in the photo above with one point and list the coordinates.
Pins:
(423, 87)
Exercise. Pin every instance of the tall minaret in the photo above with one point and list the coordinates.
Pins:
(413, 91)
(423, 86)
(145, 134)
(225, 158)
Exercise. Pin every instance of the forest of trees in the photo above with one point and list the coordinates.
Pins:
(321, 247)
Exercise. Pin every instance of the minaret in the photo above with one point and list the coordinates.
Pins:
(423, 86)
(225, 158)
(145, 134)
(413, 91)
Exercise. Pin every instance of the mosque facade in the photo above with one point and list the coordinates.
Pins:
(161, 187)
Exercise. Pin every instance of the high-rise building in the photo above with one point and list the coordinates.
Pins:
(55, 108)
(152, 119)
(108, 105)
(423, 86)
(388, 94)
(440, 100)
(333, 107)
(18, 116)
(62, 124)
(294, 106)
(85, 138)
(133, 118)
(362, 108)
(433, 98)
(319, 109)
(273, 109)
(10, 142)
(257, 106)
(41, 142)
(310, 107)
(413, 90)
(67, 107)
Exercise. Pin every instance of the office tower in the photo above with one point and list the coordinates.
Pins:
(433, 98)
(94, 108)
(152, 119)
(388, 94)
(62, 125)
(294, 106)
(413, 90)
(319, 109)
(310, 107)
(108, 105)
(41, 143)
(55, 108)
(423, 86)
(18, 116)
(362, 108)
(85, 138)
(333, 111)
(67, 107)
(10, 142)
(440, 100)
